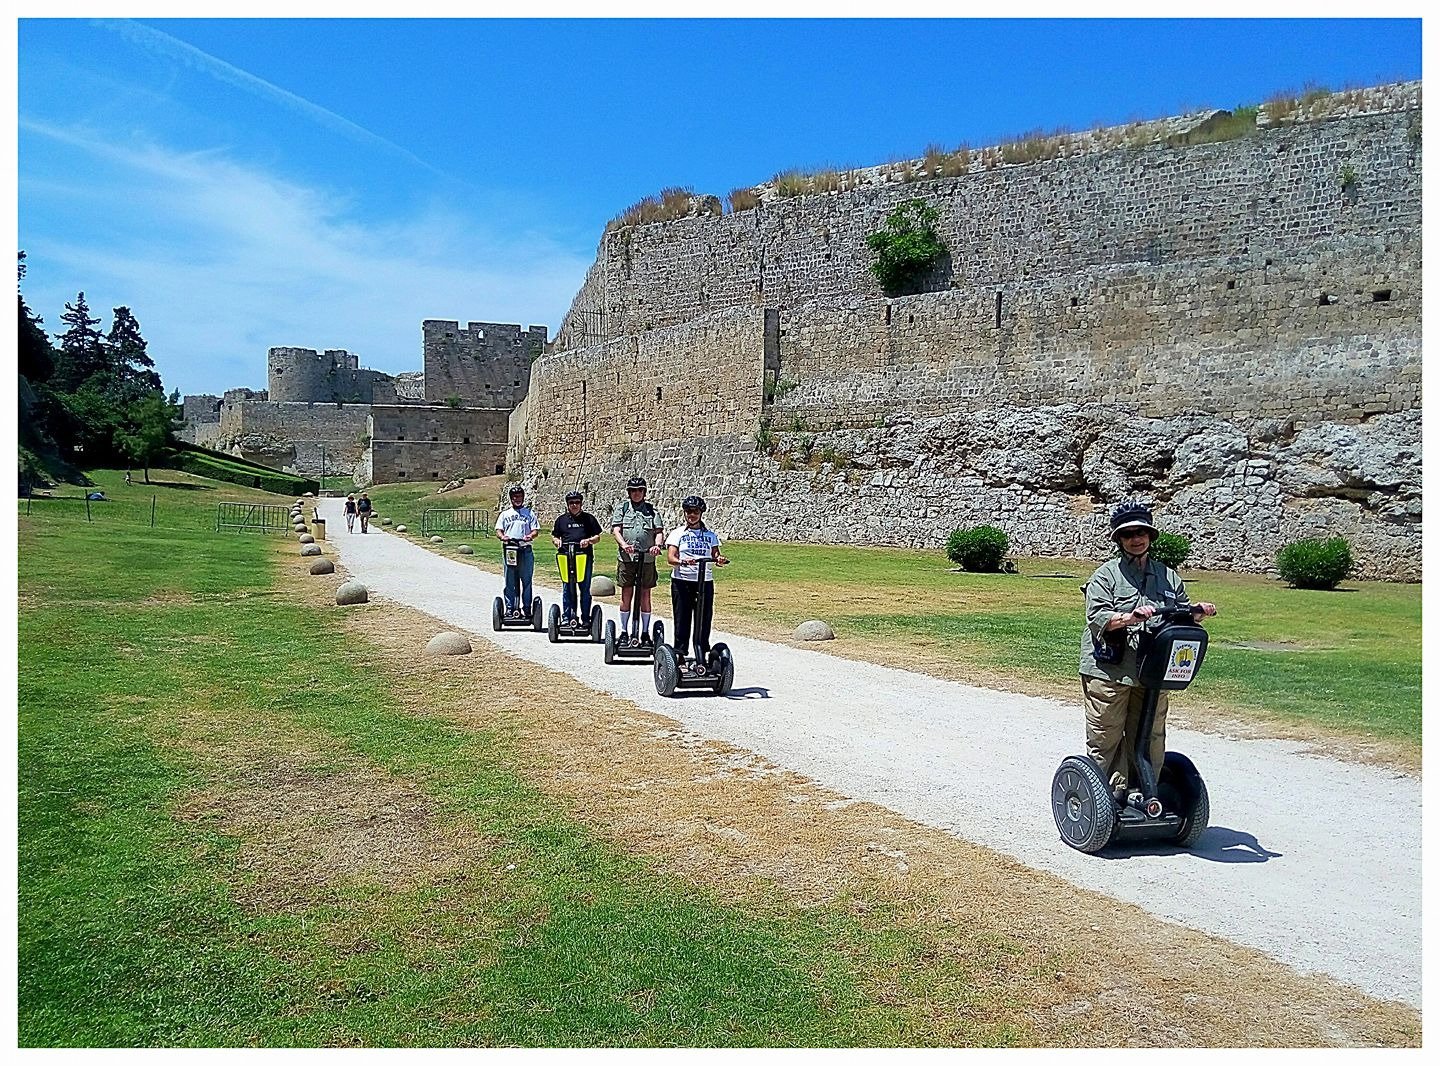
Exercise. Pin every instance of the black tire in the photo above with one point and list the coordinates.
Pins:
(1192, 797)
(610, 643)
(554, 627)
(537, 614)
(597, 624)
(1083, 806)
(497, 614)
(667, 670)
(657, 633)
(724, 670)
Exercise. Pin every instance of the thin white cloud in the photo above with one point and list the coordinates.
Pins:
(162, 44)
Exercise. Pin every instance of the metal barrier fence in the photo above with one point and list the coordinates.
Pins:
(252, 518)
(472, 520)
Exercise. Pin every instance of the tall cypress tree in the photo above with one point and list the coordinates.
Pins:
(128, 360)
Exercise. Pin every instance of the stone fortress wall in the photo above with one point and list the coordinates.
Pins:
(1230, 330)
(441, 423)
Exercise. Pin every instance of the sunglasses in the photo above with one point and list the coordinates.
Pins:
(1128, 534)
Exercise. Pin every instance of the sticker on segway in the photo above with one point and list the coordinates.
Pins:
(1184, 655)
(512, 556)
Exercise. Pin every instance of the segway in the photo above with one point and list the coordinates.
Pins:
(572, 561)
(1173, 808)
(719, 664)
(499, 617)
(634, 650)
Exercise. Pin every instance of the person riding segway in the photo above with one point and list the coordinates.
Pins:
(636, 527)
(575, 533)
(693, 552)
(517, 527)
(1142, 640)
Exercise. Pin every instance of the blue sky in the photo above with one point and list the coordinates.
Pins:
(248, 183)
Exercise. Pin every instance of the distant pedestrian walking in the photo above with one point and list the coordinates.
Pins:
(350, 512)
(364, 508)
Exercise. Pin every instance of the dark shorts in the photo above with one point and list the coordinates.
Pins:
(626, 570)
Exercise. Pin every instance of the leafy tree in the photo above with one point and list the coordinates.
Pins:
(149, 428)
(906, 246)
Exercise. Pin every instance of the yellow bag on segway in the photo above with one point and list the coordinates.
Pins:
(581, 562)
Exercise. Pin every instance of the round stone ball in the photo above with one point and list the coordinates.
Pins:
(310, 549)
(465, 549)
(814, 630)
(352, 592)
(401, 529)
(322, 566)
(309, 495)
(306, 538)
(600, 585)
(437, 540)
(448, 644)
(384, 521)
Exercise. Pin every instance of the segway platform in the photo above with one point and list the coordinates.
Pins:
(718, 672)
(572, 563)
(1172, 808)
(500, 618)
(632, 650)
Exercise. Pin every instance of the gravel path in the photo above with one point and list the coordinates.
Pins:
(1311, 860)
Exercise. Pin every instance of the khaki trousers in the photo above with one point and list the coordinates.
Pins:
(1112, 718)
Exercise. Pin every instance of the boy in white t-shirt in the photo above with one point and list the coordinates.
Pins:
(518, 523)
(684, 546)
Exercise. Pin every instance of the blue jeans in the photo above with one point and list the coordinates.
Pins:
(584, 589)
(519, 575)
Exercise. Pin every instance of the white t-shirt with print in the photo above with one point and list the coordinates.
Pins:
(693, 544)
(516, 523)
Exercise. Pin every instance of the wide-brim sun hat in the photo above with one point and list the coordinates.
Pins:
(1132, 515)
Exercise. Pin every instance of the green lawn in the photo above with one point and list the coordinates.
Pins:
(141, 651)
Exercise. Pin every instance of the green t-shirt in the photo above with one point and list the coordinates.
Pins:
(638, 524)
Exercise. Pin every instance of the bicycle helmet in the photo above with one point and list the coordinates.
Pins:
(517, 490)
(1131, 515)
(636, 482)
(573, 496)
(692, 503)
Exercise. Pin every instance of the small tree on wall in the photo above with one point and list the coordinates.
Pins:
(906, 247)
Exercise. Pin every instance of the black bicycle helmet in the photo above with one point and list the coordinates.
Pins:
(636, 482)
(517, 490)
(1129, 515)
(573, 496)
(692, 503)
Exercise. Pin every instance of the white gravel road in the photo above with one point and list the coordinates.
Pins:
(1313, 861)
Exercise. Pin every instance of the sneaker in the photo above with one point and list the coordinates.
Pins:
(647, 643)
(624, 641)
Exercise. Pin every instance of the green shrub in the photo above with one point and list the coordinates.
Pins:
(981, 549)
(906, 246)
(1171, 549)
(1314, 563)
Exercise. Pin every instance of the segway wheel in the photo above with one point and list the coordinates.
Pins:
(537, 614)
(597, 619)
(554, 623)
(724, 669)
(609, 643)
(667, 670)
(1192, 797)
(1083, 806)
(497, 614)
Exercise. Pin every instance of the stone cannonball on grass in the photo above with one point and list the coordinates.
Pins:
(352, 592)
(322, 566)
(384, 521)
(401, 529)
(465, 549)
(306, 538)
(448, 644)
(600, 585)
(814, 630)
(310, 549)
(437, 540)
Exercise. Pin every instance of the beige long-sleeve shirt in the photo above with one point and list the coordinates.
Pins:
(1117, 588)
